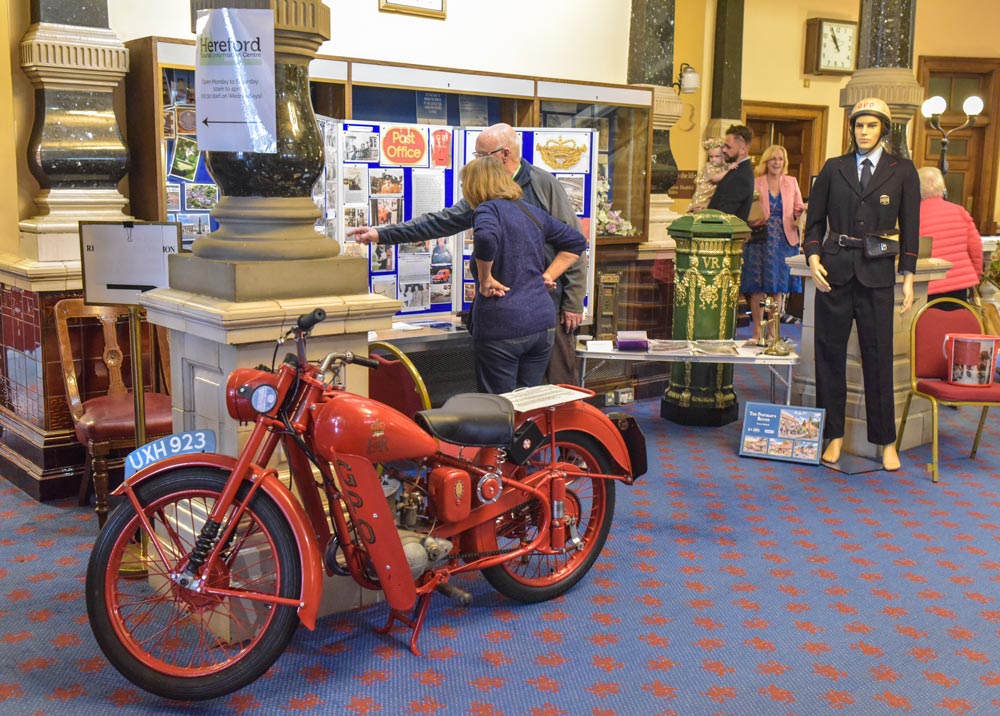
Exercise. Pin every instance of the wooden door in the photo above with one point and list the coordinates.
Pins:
(794, 135)
(972, 171)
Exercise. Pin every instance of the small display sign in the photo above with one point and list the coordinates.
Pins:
(782, 432)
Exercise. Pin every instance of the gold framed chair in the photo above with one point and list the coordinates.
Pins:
(396, 382)
(104, 419)
(929, 369)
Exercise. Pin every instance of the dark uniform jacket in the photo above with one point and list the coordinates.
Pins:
(891, 200)
(734, 194)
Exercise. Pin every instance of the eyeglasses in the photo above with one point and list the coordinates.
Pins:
(480, 155)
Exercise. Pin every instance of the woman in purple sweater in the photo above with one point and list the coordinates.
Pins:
(513, 319)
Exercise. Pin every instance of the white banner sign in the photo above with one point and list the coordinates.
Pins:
(234, 76)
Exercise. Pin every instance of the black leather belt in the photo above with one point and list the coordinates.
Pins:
(848, 241)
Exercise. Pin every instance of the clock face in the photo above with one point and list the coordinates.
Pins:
(837, 46)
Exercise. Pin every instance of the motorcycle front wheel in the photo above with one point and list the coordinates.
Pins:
(590, 507)
(173, 641)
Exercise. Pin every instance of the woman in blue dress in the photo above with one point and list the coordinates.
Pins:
(764, 270)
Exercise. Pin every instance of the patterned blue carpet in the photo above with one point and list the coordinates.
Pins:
(729, 586)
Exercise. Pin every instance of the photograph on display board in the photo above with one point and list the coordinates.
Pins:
(355, 183)
(193, 225)
(383, 258)
(330, 186)
(355, 215)
(467, 269)
(173, 197)
(169, 123)
(187, 120)
(441, 292)
(185, 161)
(386, 211)
(562, 151)
(384, 286)
(330, 228)
(416, 247)
(466, 238)
(350, 247)
(385, 181)
(361, 146)
(319, 194)
(470, 292)
(200, 197)
(441, 253)
(404, 146)
(415, 296)
(574, 185)
(441, 275)
(441, 148)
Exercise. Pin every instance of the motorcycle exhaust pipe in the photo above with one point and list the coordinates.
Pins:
(456, 594)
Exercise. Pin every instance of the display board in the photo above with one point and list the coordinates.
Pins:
(191, 191)
(380, 173)
(571, 155)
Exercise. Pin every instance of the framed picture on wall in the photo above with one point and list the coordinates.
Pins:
(427, 8)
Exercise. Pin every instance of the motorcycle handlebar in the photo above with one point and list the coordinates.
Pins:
(307, 320)
(362, 360)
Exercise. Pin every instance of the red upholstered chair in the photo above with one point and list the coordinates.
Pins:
(396, 382)
(104, 420)
(929, 368)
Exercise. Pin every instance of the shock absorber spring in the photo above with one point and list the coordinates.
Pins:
(202, 546)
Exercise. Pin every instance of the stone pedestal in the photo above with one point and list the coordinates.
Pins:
(918, 424)
(210, 337)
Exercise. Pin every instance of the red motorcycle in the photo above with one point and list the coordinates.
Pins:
(201, 575)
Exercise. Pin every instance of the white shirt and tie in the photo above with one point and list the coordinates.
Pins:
(867, 164)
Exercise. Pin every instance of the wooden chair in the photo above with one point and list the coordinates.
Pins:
(929, 369)
(397, 382)
(103, 421)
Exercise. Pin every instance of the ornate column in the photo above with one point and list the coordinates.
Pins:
(246, 282)
(76, 154)
(885, 65)
(651, 64)
(266, 246)
(727, 69)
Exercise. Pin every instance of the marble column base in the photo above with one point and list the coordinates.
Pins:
(211, 337)
(263, 280)
(54, 233)
(918, 423)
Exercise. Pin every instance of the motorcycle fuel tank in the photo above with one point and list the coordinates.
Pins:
(354, 425)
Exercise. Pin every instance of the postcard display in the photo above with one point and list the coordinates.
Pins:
(191, 191)
(383, 173)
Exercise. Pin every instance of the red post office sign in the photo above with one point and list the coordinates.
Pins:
(404, 145)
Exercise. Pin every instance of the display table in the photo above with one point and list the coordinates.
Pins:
(780, 367)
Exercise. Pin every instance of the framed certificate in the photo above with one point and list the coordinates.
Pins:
(428, 8)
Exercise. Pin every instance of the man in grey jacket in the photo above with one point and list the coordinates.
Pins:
(540, 189)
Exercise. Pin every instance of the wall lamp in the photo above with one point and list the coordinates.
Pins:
(688, 80)
(934, 107)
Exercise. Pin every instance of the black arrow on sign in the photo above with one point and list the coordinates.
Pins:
(208, 121)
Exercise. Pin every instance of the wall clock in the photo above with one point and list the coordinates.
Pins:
(831, 46)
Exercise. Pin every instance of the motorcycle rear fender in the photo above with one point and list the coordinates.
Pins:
(585, 418)
(312, 570)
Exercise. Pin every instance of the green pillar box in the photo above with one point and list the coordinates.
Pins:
(706, 292)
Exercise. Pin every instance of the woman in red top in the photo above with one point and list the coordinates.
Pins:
(954, 235)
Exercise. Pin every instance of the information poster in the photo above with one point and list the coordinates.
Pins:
(782, 432)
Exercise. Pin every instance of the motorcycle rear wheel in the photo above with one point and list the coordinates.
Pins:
(539, 577)
(172, 641)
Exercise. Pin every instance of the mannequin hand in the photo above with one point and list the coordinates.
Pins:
(818, 274)
(907, 293)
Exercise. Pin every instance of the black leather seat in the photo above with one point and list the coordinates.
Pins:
(474, 419)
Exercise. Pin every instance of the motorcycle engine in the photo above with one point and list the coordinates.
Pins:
(422, 551)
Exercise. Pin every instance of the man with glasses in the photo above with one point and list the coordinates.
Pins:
(540, 189)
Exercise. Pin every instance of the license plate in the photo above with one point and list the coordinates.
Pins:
(192, 441)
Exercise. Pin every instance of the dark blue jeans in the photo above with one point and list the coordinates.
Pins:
(503, 365)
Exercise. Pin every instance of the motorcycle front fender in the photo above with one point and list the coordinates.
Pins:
(312, 570)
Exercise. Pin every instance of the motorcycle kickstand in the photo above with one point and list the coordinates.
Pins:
(415, 622)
